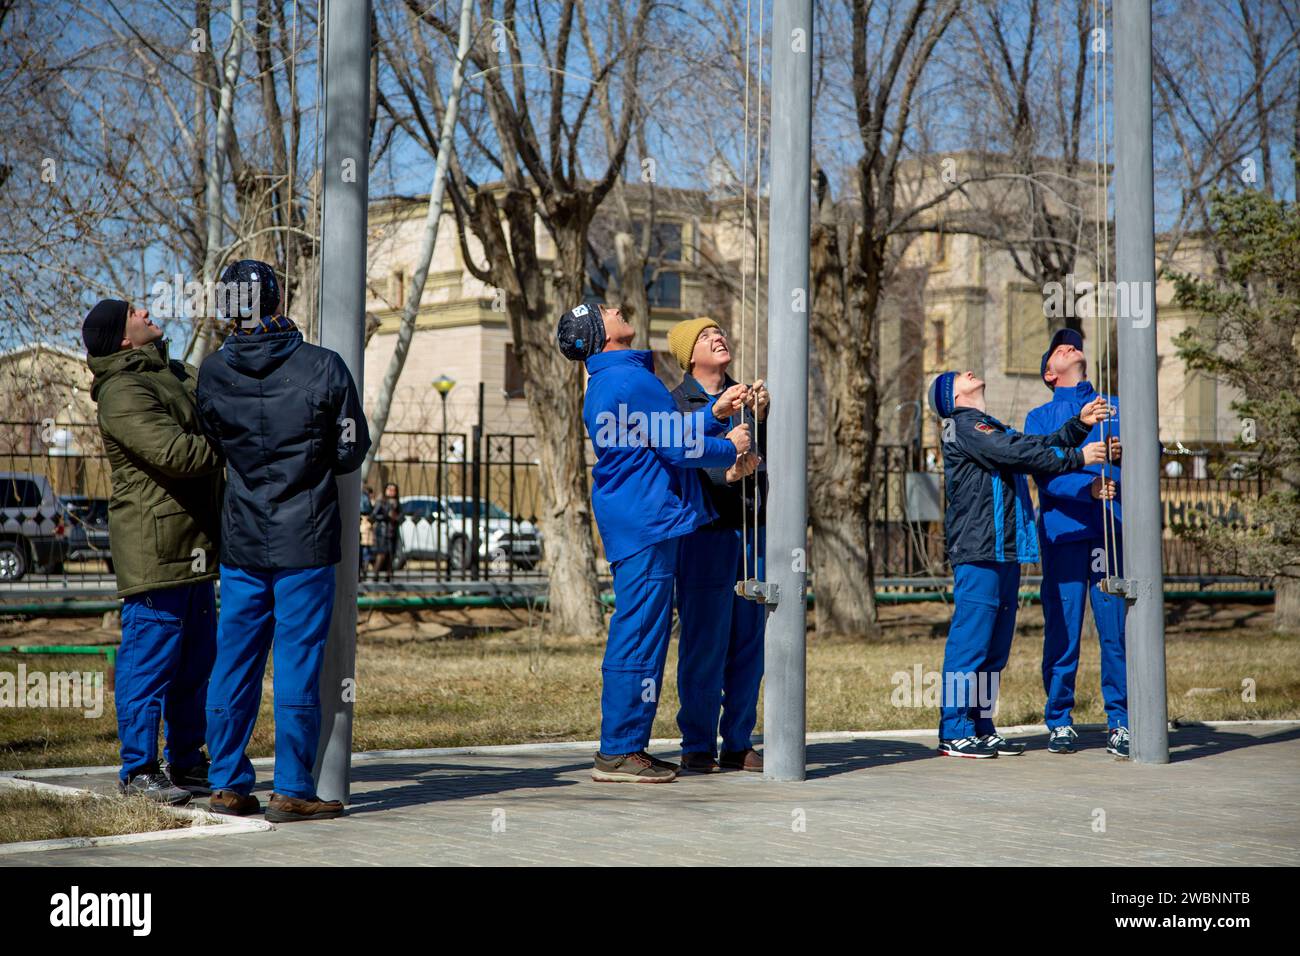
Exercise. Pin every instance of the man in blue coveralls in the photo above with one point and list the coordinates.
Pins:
(646, 497)
(989, 530)
(1076, 554)
(289, 420)
(720, 650)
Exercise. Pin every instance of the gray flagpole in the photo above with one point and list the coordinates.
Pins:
(787, 428)
(1143, 583)
(342, 323)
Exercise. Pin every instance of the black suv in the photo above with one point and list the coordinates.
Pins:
(87, 520)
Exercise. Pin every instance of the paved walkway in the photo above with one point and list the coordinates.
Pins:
(1229, 796)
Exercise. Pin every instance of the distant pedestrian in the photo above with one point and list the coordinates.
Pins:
(367, 549)
(386, 519)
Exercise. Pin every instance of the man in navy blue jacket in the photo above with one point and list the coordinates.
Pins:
(720, 634)
(989, 531)
(1078, 547)
(287, 417)
(646, 497)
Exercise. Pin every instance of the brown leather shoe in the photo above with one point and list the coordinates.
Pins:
(699, 763)
(749, 760)
(629, 768)
(661, 764)
(234, 804)
(284, 809)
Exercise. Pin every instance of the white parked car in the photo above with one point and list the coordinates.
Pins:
(434, 528)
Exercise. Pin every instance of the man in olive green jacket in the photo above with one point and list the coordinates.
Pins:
(164, 526)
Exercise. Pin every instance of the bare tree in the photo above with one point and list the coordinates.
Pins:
(1029, 98)
(205, 132)
(542, 179)
(853, 252)
(57, 206)
(215, 178)
(437, 194)
(1227, 82)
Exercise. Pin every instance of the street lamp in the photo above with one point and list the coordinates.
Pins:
(443, 385)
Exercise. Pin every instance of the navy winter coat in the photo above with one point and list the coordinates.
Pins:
(288, 419)
(990, 516)
(734, 500)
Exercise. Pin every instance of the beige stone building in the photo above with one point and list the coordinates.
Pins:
(45, 400)
(981, 314)
(960, 303)
(462, 330)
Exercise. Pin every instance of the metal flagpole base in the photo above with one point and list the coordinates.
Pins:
(760, 591)
(1120, 587)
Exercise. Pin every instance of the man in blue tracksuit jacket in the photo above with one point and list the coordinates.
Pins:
(287, 416)
(646, 497)
(1076, 550)
(988, 526)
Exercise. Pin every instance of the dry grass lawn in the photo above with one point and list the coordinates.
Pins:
(35, 815)
(487, 677)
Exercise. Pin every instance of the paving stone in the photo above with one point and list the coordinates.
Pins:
(1228, 797)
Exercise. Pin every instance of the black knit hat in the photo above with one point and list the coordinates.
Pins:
(581, 332)
(1062, 337)
(105, 327)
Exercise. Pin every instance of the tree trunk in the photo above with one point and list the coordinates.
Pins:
(553, 390)
(201, 342)
(632, 297)
(555, 401)
(840, 484)
(1286, 602)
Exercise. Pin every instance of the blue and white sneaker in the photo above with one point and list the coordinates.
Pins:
(1004, 747)
(1061, 740)
(1118, 742)
(977, 747)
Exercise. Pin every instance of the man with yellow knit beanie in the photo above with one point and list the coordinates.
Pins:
(720, 651)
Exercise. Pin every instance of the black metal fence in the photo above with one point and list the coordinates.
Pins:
(470, 508)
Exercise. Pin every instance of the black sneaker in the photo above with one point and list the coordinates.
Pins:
(194, 779)
(1061, 740)
(977, 747)
(1004, 747)
(155, 786)
(1118, 742)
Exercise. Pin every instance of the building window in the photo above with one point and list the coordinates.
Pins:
(397, 289)
(514, 377)
(665, 241)
(663, 284)
(1026, 330)
(665, 292)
